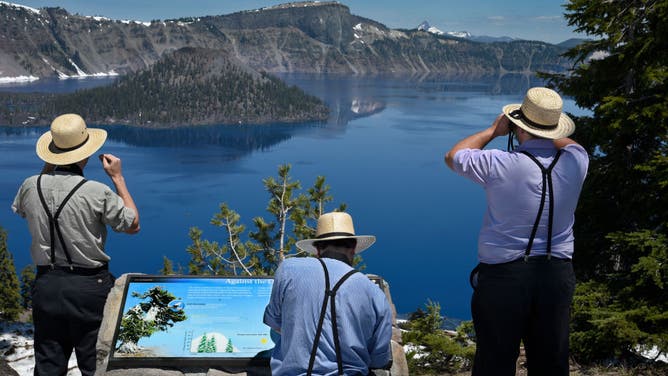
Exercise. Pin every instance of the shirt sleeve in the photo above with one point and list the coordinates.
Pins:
(381, 347)
(272, 313)
(475, 164)
(17, 205)
(116, 215)
(580, 155)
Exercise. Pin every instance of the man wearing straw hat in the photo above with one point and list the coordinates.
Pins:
(331, 319)
(524, 283)
(67, 217)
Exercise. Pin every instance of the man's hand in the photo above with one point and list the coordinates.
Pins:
(501, 125)
(481, 139)
(111, 165)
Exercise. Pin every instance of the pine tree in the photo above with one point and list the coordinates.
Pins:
(211, 345)
(621, 227)
(27, 282)
(229, 348)
(9, 291)
(294, 214)
(202, 344)
(431, 349)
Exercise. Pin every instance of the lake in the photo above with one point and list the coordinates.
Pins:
(381, 151)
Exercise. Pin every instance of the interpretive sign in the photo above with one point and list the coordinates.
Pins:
(193, 320)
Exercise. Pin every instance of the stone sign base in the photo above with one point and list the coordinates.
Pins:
(106, 336)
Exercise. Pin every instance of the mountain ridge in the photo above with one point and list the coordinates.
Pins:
(303, 37)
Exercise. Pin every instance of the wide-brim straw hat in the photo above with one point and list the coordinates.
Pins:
(69, 141)
(541, 114)
(336, 225)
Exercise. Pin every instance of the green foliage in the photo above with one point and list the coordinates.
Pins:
(27, 282)
(189, 86)
(136, 322)
(622, 219)
(9, 291)
(293, 216)
(433, 350)
(230, 347)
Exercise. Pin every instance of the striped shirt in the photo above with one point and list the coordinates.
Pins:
(82, 221)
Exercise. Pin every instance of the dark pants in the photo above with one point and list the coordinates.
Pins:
(523, 301)
(67, 313)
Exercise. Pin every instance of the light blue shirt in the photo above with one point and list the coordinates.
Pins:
(363, 316)
(513, 185)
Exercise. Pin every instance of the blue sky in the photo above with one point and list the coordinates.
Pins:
(526, 19)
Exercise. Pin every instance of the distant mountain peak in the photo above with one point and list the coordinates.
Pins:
(425, 26)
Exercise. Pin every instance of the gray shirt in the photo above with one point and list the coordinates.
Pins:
(82, 221)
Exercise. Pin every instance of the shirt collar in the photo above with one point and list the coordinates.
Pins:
(536, 144)
(70, 169)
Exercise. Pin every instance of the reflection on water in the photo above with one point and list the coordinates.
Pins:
(349, 98)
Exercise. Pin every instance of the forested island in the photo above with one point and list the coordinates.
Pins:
(191, 86)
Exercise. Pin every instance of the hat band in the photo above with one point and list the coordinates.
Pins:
(73, 147)
(519, 115)
(329, 234)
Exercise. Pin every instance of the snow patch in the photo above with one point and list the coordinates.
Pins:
(36, 11)
(127, 22)
(598, 55)
(7, 80)
(16, 347)
(653, 354)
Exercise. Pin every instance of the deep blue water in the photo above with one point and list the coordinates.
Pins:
(381, 152)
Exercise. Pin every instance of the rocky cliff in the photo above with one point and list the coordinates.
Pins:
(297, 37)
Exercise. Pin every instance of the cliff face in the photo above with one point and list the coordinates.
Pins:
(296, 37)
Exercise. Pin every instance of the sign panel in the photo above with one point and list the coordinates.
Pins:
(194, 321)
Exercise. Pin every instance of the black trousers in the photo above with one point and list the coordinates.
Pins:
(67, 313)
(523, 301)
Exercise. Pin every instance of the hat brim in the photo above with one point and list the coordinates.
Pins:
(363, 242)
(48, 152)
(565, 127)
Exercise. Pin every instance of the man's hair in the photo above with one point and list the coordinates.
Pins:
(335, 243)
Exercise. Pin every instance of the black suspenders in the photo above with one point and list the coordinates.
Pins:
(547, 185)
(328, 293)
(53, 220)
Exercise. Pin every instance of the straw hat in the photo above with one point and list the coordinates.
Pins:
(541, 114)
(336, 225)
(69, 141)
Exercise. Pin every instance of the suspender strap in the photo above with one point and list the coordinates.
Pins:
(335, 331)
(546, 174)
(53, 219)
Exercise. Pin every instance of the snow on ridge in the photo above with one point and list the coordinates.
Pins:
(8, 80)
(34, 10)
(127, 22)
